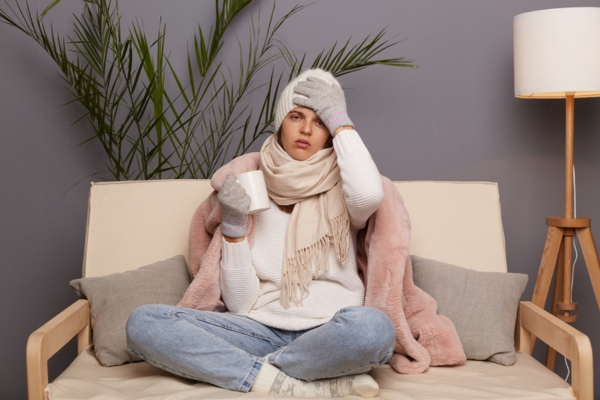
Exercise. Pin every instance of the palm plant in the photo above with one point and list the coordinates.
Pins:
(152, 130)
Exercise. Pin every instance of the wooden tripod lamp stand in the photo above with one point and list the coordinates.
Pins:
(556, 56)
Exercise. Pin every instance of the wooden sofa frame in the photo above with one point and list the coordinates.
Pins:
(532, 322)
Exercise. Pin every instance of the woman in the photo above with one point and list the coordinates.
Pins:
(296, 321)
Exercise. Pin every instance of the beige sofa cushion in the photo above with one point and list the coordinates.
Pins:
(526, 379)
(86, 379)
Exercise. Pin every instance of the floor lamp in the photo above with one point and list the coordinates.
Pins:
(557, 56)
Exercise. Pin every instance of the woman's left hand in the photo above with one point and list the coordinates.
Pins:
(326, 100)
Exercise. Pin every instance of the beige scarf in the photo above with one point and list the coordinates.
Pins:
(319, 218)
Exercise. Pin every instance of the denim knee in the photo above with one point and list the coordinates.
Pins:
(376, 332)
(140, 324)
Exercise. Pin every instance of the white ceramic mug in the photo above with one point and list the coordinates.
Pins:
(254, 184)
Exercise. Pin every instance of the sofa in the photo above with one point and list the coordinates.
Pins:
(135, 253)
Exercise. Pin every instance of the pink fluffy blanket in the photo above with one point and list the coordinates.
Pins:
(423, 338)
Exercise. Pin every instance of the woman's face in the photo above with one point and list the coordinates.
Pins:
(303, 134)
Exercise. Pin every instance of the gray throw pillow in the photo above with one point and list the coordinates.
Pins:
(482, 305)
(113, 297)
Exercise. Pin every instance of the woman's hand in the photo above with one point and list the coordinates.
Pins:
(326, 100)
(234, 207)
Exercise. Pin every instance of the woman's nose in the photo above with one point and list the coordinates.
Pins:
(306, 128)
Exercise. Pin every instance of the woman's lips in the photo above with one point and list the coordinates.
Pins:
(303, 144)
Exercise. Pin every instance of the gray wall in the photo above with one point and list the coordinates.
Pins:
(454, 118)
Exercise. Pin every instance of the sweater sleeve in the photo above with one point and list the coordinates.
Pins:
(238, 280)
(361, 182)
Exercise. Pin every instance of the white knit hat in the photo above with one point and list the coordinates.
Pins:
(286, 104)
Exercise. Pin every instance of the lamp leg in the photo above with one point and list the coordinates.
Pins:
(557, 255)
(546, 271)
(547, 265)
(557, 295)
(590, 254)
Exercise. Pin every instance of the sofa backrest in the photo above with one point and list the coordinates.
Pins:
(135, 223)
(456, 222)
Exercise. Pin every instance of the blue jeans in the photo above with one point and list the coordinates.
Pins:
(228, 350)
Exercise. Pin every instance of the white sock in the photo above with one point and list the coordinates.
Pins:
(272, 380)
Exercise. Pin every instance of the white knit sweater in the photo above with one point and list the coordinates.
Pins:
(250, 279)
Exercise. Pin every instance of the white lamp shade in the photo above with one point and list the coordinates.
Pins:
(557, 53)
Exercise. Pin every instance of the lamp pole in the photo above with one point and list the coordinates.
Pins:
(568, 239)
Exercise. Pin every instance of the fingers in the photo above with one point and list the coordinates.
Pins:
(304, 102)
(306, 91)
(314, 81)
(229, 181)
(233, 194)
(312, 86)
(242, 201)
(318, 90)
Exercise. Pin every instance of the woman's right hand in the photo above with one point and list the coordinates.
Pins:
(235, 203)
(326, 100)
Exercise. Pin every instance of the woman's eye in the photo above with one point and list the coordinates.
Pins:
(320, 123)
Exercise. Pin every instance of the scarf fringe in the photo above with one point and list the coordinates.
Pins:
(299, 270)
(340, 227)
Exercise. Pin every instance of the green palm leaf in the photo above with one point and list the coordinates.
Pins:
(188, 129)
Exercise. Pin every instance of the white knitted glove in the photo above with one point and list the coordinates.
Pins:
(326, 100)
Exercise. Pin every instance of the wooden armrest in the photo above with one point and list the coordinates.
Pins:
(50, 338)
(562, 337)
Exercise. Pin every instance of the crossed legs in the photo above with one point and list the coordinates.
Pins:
(229, 350)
